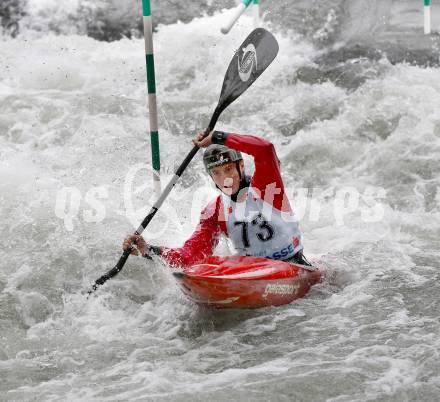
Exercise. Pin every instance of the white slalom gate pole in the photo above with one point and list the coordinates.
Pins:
(427, 16)
(241, 8)
(151, 86)
(256, 11)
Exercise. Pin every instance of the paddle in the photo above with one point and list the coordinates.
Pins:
(250, 60)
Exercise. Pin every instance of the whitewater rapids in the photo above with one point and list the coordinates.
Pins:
(352, 105)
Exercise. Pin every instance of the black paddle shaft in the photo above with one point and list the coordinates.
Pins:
(250, 60)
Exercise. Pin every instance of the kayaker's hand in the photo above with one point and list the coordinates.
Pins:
(203, 143)
(138, 248)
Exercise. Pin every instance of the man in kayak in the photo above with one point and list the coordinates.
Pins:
(254, 213)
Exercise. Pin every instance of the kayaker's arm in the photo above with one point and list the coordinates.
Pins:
(267, 176)
(202, 242)
(198, 247)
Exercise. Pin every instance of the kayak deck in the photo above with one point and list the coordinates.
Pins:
(246, 282)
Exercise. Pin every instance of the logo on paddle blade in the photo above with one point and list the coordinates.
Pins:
(247, 62)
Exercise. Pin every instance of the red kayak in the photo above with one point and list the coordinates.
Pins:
(246, 282)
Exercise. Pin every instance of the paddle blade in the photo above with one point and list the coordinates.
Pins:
(250, 60)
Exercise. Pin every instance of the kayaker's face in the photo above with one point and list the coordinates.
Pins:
(226, 177)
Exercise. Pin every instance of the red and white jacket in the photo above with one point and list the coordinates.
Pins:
(262, 225)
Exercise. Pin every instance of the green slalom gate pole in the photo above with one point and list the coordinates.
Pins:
(256, 12)
(240, 9)
(151, 85)
(427, 16)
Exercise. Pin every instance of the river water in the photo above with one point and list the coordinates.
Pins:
(352, 104)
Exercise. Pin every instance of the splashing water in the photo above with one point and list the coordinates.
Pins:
(356, 123)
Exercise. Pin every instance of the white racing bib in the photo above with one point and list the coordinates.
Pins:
(258, 229)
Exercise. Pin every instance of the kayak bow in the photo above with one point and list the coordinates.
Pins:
(246, 282)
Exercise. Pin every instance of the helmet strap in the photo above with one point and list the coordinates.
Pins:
(245, 181)
(237, 165)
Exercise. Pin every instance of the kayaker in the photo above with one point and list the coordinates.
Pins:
(254, 212)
